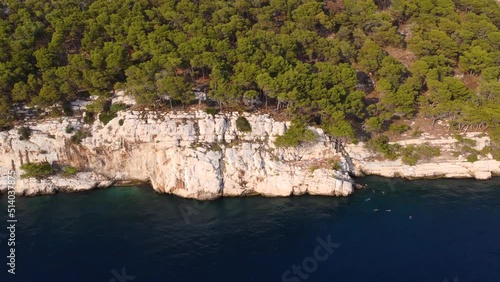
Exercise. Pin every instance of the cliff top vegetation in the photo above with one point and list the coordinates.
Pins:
(349, 66)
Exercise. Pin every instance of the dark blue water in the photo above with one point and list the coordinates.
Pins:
(133, 234)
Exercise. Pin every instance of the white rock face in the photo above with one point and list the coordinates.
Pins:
(445, 166)
(120, 97)
(192, 155)
(196, 155)
(82, 181)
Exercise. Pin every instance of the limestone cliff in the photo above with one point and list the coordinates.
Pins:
(197, 155)
(193, 155)
(448, 165)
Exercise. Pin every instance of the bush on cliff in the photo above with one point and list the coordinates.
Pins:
(89, 117)
(381, 145)
(411, 154)
(243, 125)
(79, 136)
(472, 158)
(24, 133)
(69, 170)
(37, 170)
(373, 124)
(107, 116)
(69, 128)
(465, 147)
(295, 135)
(211, 111)
(399, 128)
(309, 59)
(463, 141)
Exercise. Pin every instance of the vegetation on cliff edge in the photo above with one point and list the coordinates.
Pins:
(352, 67)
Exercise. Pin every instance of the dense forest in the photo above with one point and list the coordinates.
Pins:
(345, 65)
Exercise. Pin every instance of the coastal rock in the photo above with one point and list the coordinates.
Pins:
(482, 175)
(197, 155)
(81, 181)
(445, 166)
(189, 154)
(33, 187)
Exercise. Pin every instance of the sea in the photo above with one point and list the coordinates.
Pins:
(392, 230)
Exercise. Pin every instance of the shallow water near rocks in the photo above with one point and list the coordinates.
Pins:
(394, 230)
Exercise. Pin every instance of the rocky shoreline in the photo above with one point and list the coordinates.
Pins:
(197, 155)
(193, 155)
(448, 165)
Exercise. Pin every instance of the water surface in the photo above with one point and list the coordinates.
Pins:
(436, 230)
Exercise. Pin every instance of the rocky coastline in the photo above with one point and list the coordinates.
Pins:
(449, 165)
(204, 156)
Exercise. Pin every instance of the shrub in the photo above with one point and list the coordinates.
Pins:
(493, 150)
(381, 145)
(89, 117)
(496, 155)
(115, 108)
(465, 147)
(67, 109)
(398, 128)
(55, 112)
(98, 105)
(5, 123)
(243, 125)
(69, 128)
(411, 154)
(78, 136)
(313, 168)
(24, 133)
(335, 164)
(211, 111)
(427, 152)
(295, 135)
(417, 133)
(69, 170)
(120, 122)
(465, 141)
(107, 116)
(472, 158)
(38, 170)
(215, 147)
(373, 124)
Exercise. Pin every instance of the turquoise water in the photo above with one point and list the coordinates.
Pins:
(436, 230)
